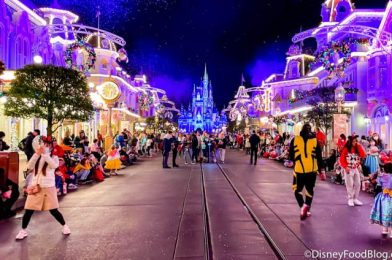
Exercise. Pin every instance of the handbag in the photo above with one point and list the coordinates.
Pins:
(34, 189)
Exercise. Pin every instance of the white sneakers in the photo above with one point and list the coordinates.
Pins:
(355, 202)
(66, 230)
(23, 233)
(385, 232)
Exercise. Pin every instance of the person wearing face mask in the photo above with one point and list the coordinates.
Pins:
(305, 152)
(42, 194)
(378, 142)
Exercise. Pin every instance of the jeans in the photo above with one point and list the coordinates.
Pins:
(253, 155)
(195, 154)
(165, 159)
(83, 174)
(187, 155)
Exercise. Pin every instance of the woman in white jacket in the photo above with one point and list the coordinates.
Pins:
(43, 163)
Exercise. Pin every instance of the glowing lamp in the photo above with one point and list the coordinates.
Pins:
(340, 93)
(91, 85)
(3, 100)
(366, 119)
(386, 118)
(37, 59)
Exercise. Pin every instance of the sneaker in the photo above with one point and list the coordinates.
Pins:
(385, 232)
(308, 214)
(72, 186)
(358, 202)
(22, 234)
(186, 163)
(351, 203)
(66, 230)
(193, 163)
(304, 212)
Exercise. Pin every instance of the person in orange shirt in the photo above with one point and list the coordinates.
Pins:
(82, 169)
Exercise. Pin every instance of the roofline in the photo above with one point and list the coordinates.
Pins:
(34, 17)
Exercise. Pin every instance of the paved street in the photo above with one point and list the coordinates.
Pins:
(151, 213)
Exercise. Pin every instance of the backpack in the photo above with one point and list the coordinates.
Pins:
(98, 175)
(22, 144)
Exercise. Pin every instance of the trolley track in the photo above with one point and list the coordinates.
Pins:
(275, 248)
(208, 238)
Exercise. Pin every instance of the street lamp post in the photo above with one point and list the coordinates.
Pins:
(367, 122)
(340, 93)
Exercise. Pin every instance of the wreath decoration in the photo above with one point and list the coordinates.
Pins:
(258, 103)
(80, 45)
(330, 55)
(145, 101)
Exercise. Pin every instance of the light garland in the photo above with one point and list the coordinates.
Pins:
(333, 51)
(299, 95)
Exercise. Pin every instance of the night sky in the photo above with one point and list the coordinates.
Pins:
(170, 40)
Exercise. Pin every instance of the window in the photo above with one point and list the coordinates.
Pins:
(2, 42)
(26, 52)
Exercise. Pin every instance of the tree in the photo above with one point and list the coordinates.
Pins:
(323, 108)
(2, 67)
(51, 93)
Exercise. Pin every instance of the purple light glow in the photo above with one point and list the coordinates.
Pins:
(178, 90)
(261, 69)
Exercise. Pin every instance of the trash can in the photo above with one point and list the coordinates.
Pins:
(9, 167)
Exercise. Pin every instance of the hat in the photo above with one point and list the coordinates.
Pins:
(47, 139)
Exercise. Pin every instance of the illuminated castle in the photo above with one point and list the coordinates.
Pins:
(202, 113)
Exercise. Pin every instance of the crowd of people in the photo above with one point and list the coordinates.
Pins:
(54, 169)
(194, 148)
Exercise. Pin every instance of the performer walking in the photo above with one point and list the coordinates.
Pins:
(306, 155)
(42, 194)
(254, 140)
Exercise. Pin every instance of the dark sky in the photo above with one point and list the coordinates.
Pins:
(170, 40)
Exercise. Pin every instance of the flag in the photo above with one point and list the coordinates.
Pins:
(98, 14)
(242, 79)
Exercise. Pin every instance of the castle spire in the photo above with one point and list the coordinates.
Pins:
(205, 77)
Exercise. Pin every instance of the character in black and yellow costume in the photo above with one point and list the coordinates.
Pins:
(306, 155)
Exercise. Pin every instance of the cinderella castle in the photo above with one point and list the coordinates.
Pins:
(202, 113)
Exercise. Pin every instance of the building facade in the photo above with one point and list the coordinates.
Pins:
(46, 35)
(357, 44)
(202, 112)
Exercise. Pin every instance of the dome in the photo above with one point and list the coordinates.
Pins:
(104, 43)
